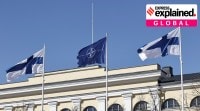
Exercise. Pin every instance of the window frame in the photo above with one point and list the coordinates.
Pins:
(196, 100)
(87, 108)
(65, 109)
(167, 104)
(120, 108)
(139, 104)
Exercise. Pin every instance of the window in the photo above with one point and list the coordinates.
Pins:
(170, 103)
(65, 109)
(195, 102)
(90, 108)
(115, 107)
(141, 106)
(19, 109)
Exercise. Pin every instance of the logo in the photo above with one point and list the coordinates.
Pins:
(91, 52)
(150, 11)
(168, 15)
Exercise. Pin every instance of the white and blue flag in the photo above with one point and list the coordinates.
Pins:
(32, 65)
(165, 45)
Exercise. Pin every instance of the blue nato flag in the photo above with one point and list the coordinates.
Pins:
(92, 54)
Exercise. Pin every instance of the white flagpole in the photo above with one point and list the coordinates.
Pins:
(92, 21)
(181, 67)
(106, 71)
(42, 102)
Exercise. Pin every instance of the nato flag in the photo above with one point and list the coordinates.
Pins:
(92, 54)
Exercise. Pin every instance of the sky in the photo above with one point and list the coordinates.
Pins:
(65, 26)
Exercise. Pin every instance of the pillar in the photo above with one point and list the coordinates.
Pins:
(127, 101)
(77, 104)
(101, 103)
(30, 107)
(53, 106)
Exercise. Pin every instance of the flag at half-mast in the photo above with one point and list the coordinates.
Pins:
(165, 45)
(32, 65)
(92, 54)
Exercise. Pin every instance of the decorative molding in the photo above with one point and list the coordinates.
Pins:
(79, 83)
(101, 98)
(96, 95)
(70, 70)
(77, 104)
(127, 95)
(53, 103)
(76, 101)
(8, 108)
(176, 86)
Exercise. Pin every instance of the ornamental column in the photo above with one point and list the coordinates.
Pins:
(155, 106)
(101, 103)
(127, 101)
(53, 106)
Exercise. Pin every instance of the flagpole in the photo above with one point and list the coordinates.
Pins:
(42, 104)
(106, 71)
(92, 21)
(181, 67)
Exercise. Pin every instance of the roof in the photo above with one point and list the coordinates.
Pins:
(177, 78)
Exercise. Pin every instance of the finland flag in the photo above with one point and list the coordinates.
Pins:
(32, 65)
(165, 45)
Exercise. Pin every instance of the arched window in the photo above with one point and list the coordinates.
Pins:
(170, 103)
(65, 109)
(141, 106)
(90, 108)
(195, 102)
(115, 107)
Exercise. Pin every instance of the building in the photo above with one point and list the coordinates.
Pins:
(139, 88)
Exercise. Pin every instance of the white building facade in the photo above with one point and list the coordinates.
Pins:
(142, 88)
